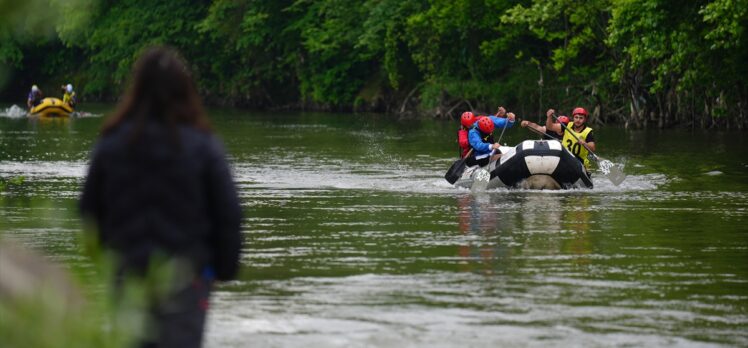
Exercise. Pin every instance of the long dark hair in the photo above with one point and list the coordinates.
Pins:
(161, 90)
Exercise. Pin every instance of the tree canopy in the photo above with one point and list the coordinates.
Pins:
(662, 63)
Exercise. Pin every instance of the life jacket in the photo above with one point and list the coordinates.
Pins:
(462, 140)
(486, 138)
(69, 98)
(570, 141)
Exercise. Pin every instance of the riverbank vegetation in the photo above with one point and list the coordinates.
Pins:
(641, 63)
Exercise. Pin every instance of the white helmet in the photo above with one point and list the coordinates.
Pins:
(35, 88)
(69, 88)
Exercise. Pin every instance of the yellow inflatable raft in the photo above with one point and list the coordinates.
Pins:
(52, 107)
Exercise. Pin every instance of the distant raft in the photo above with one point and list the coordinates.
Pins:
(52, 107)
(533, 164)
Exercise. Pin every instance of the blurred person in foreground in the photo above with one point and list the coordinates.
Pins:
(160, 196)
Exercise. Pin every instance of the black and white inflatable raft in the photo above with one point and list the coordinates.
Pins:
(533, 164)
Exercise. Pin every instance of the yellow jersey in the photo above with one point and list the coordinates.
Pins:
(570, 141)
(69, 98)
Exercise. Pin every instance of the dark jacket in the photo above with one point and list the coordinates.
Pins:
(168, 192)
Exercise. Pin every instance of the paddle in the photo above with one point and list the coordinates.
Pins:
(455, 171)
(483, 176)
(537, 131)
(614, 172)
(481, 179)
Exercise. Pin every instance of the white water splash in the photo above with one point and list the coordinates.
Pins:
(14, 111)
(83, 114)
(613, 171)
(313, 174)
(44, 170)
(605, 166)
(319, 174)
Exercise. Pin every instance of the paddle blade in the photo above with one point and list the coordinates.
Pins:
(480, 181)
(455, 171)
(614, 172)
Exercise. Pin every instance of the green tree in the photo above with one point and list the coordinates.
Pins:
(566, 43)
(671, 50)
(122, 29)
(637, 62)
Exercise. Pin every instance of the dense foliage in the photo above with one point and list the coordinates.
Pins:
(660, 63)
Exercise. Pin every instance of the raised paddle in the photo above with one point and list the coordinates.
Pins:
(455, 171)
(614, 172)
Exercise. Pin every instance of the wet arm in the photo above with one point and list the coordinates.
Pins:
(590, 142)
(591, 146)
(533, 125)
(550, 125)
(500, 122)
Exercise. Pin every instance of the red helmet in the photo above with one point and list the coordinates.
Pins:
(485, 125)
(579, 111)
(467, 119)
(563, 119)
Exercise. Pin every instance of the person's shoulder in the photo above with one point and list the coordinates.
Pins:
(113, 137)
(196, 133)
(590, 135)
(202, 140)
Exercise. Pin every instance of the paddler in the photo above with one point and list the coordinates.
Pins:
(545, 133)
(578, 130)
(68, 96)
(35, 97)
(481, 137)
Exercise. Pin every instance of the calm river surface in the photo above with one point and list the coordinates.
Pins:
(354, 239)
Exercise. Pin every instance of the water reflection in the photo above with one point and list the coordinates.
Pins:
(577, 220)
(541, 212)
(479, 224)
(500, 229)
(49, 121)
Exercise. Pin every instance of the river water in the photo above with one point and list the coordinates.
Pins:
(354, 239)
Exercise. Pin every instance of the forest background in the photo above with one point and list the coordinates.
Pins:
(640, 63)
